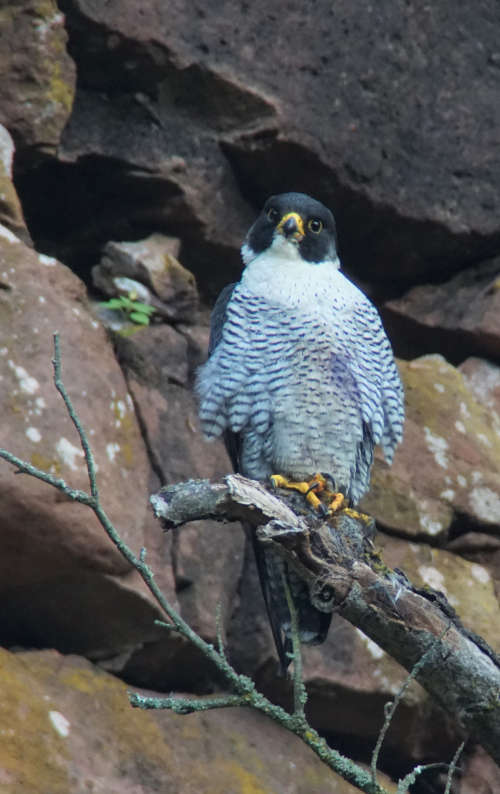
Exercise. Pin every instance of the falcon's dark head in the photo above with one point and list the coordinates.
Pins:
(298, 219)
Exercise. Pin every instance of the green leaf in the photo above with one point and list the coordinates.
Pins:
(139, 318)
(113, 303)
(136, 311)
(127, 304)
(145, 308)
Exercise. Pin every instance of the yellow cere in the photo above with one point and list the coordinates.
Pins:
(298, 221)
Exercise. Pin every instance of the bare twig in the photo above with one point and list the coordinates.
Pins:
(411, 777)
(89, 457)
(453, 766)
(218, 629)
(299, 690)
(181, 705)
(391, 706)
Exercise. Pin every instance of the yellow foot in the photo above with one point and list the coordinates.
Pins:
(356, 514)
(336, 503)
(311, 489)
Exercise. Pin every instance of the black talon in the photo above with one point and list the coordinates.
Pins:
(331, 480)
(323, 510)
(312, 487)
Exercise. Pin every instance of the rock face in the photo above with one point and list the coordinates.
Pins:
(460, 318)
(446, 473)
(54, 549)
(166, 117)
(142, 138)
(11, 214)
(37, 97)
(152, 267)
(159, 365)
(71, 728)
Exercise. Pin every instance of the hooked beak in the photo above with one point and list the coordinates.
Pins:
(291, 226)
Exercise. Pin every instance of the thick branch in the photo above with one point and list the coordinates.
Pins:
(243, 688)
(459, 670)
(239, 498)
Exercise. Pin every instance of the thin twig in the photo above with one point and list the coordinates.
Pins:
(453, 766)
(89, 457)
(411, 777)
(391, 706)
(164, 625)
(182, 705)
(299, 689)
(23, 467)
(219, 630)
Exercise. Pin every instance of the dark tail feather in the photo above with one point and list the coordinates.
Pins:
(269, 596)
(313, 624)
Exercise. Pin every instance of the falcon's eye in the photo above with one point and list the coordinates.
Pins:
(273, 214)
(315, 225)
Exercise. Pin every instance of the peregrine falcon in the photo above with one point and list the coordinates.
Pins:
(301, 378)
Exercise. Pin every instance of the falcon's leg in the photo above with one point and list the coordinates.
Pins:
(311, 489)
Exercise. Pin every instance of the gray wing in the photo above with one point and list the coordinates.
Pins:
(377, 377)
(218, 316)
(370, 360)
(217, 320)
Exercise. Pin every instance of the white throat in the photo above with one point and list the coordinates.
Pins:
(283, 277)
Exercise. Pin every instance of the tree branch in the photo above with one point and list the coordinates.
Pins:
(343, 573)
(244, 692)
(326, 560)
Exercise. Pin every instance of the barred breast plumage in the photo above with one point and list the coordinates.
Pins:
(309, 382)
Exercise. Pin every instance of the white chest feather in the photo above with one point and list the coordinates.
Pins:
(282, 277)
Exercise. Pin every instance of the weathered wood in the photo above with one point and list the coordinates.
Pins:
(336, 560)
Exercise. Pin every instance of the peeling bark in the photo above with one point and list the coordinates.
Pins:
(345, 574)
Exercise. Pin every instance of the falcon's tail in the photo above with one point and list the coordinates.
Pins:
(313, 624)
